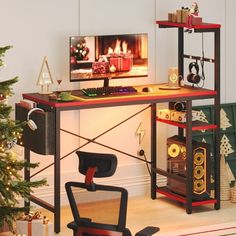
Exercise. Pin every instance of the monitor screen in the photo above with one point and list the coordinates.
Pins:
(108, 56)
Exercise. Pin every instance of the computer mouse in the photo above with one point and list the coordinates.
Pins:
(147, 90)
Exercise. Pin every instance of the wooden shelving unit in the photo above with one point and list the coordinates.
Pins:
(190, 126)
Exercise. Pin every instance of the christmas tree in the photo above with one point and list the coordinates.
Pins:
(224, 121)
(225, 146)
(79, 51)
(12, 185)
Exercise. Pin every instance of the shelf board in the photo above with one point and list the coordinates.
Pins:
(181, 25)
(196, 125)
(168, 193)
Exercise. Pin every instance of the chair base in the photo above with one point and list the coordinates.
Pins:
(149, 230)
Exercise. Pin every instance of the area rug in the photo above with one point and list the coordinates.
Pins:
(225, 229)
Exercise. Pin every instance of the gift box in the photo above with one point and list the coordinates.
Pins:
(196, 20)
(34, 228)
(34, 224)
(185, 13)
(100, 67)
(180, 116)
(122, 62)
(164, 114)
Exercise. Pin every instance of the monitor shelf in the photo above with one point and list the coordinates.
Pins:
(168, 24)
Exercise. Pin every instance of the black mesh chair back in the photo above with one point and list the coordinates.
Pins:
(98, 209)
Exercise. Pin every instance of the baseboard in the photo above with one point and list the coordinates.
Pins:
(136, 180)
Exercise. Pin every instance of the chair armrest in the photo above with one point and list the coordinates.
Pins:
(72, 225)
(147, 231)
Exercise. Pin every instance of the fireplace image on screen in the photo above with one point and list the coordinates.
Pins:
(108, 56)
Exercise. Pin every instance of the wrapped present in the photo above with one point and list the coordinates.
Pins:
(121, 61)
(196, 20)
(100, 67)
(34, 224)
(164, 114)
(185, 13)
(180, 116)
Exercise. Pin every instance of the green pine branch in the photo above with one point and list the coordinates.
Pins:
(8, 214)
(4, 49)
(5, 86)
(2, 54)
(5, 111)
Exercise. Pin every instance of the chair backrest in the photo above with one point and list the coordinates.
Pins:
(97, 209)
(105, 208)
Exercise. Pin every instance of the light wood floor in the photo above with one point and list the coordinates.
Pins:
(164, 213)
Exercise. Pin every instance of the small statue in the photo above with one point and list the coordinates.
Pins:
(194, 9)
(193, 12)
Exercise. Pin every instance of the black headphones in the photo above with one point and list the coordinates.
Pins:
(191, 77)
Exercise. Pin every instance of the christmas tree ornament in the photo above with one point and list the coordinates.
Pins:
(79, 52)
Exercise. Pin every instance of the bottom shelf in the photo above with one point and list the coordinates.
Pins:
(165, 191)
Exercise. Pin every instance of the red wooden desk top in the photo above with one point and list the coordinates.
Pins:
(158, 95)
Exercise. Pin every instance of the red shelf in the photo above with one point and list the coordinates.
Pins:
(196, 125)
(165, 191)
(180, 25)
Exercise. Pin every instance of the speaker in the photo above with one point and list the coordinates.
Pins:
(193, 78)
(176, 165)
(30, 122)
(177, 106)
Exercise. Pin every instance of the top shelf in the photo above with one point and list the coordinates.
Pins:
(166, 24)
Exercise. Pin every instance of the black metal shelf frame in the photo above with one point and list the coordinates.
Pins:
(188, 126)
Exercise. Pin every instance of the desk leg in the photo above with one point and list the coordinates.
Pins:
(153, 151)
(57, 178)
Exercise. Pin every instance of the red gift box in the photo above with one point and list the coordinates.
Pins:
(123, 62)
(100, 67)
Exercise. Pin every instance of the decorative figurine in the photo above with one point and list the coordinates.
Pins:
(45, 78)
(193, 13)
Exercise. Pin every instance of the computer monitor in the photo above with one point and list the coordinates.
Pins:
(106, 57)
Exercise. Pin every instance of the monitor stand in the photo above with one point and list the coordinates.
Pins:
(106, 82)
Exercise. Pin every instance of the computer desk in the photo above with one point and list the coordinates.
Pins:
(186, 93)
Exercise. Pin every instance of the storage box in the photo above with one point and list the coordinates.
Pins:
(34, 228)
(41, 140)
(122, 62)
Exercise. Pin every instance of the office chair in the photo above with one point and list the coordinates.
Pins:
(106, 213)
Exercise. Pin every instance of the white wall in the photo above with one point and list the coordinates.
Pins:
(39, 28)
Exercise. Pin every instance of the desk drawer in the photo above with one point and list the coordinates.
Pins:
(41, 140)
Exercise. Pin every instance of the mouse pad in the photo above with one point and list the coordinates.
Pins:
(80, 96)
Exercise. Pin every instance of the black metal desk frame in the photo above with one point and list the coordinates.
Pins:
(186, 93)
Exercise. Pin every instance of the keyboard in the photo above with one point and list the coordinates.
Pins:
(111, 90)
